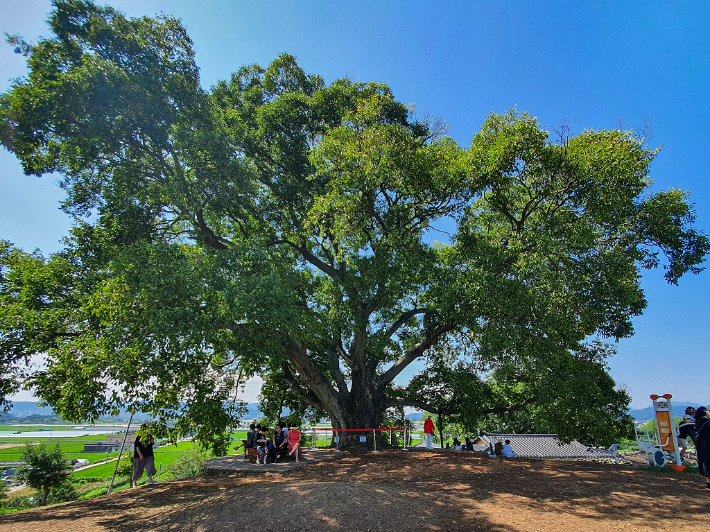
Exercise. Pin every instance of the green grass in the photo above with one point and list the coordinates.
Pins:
(72, 448)
(100, 471)
(164, 455)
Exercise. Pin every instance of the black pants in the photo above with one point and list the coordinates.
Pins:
(277, 452)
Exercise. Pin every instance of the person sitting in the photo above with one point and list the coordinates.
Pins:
(457, 444)
(279, 448)
(469, 444)
(498, 449)
(261, 443)
(294, 442)
(507, 450)
(248, 443)
(448, 446)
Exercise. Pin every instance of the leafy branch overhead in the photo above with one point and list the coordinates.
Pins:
(279, 225)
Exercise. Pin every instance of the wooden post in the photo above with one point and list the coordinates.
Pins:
(120, 452)
(441, 429)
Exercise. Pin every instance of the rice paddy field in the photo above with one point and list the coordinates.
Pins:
(92, 480)
(10, 448)
(73, 448)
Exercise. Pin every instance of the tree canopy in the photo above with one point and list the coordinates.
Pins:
(320, 235)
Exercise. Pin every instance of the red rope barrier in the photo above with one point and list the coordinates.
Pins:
(357, 430)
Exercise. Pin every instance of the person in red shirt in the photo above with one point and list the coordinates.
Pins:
(428, 430)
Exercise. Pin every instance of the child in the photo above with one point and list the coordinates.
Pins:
(260, 455)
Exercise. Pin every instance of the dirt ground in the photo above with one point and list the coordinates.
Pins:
(398, 490)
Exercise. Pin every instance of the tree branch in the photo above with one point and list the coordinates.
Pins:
(421, 405)
(319, 384)
(411, 355)
(509, 409)
(427, 407)
(404, 318)
(315, 261)
(335, 367)
(211, 238)
(304, 394)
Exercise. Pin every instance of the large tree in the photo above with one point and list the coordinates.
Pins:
(282, 226)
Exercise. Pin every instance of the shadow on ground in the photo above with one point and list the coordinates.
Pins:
(397, 490)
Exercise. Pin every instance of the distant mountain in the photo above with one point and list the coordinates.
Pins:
(23, 409)
(644, 414)
(252, 412)
(28, 408)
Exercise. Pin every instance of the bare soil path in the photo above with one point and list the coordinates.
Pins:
(397, 490)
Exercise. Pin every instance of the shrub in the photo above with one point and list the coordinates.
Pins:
(62, 493)
(188, 464)
(125, 466)
(15, 504)
(101, 489)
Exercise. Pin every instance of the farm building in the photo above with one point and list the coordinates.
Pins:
(111, 444)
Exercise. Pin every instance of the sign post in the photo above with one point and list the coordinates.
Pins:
(666, 426)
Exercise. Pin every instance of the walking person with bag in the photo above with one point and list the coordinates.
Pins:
(143, 458)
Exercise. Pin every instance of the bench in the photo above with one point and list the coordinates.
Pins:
(250, 454)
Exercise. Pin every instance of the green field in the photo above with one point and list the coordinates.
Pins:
(164, 456)
(94, 481)
(34, 428)
(71, 447)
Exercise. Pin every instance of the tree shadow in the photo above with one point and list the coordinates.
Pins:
(393, 490)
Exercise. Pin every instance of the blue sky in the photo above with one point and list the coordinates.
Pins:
(593, 64)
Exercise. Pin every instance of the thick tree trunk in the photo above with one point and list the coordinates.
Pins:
(358, 412)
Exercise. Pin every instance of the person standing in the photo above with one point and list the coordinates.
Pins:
(429, 431)
(143, 458)
(702, 442)
(686, 431)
